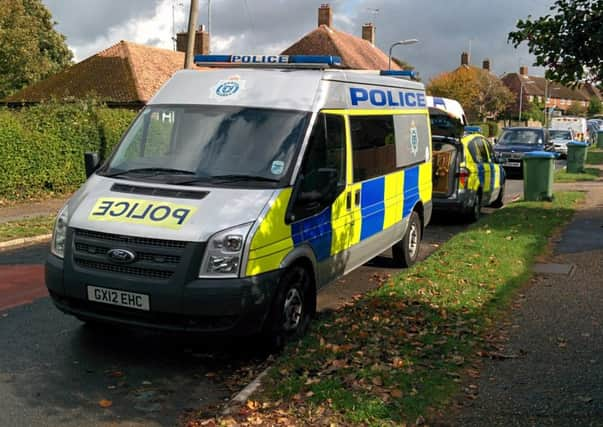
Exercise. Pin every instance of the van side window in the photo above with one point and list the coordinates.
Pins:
(373, 146)
(482, 150)
(475, 153)
(323, 170)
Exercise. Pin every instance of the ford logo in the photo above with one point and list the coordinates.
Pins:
(123, 256)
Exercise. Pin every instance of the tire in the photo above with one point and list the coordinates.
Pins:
(406, 251)
(500, 200)
(292, 308)
(475, 210)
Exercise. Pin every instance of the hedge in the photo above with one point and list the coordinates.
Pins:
(42, 147)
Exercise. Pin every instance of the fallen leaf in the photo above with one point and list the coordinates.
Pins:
(104, 403)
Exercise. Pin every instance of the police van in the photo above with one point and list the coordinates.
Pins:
(240, 191)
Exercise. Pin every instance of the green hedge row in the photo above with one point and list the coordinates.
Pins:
(42, 147)
(489, 129)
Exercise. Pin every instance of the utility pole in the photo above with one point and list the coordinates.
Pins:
(192, 25)
(209, 24)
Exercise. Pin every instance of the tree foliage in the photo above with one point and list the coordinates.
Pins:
(32, 49)
(568, 42)
(595, 106)
(576, 109)
(480, 93)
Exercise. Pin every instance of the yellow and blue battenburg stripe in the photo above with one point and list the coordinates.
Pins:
(384, 201)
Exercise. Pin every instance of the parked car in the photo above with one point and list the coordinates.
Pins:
(515, 142)
(466, 175)
(559, 140)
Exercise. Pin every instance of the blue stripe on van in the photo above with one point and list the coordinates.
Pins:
(316, 231)
(372, 207)
(481, 173)
(411, 190)
(492, 176)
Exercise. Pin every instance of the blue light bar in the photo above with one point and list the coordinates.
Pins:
(269, 60)
(399, 73)
(472, 129)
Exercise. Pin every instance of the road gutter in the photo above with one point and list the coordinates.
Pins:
(24, 241)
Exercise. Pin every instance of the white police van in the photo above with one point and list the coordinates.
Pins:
(238, 192)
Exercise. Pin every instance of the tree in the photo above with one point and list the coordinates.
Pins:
(595, 106)
(569, 42)
(406, 66)
(480, 93)
(32, 49)
(576, 109)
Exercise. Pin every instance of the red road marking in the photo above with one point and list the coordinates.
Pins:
(21, 284)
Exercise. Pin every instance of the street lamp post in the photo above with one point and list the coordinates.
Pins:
(399, 43)
(521, 95)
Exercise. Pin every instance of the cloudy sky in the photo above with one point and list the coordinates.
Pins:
(444, 28)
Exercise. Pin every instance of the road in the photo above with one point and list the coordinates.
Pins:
(56, 371)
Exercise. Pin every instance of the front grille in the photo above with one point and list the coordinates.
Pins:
(144, 241)
(143, 256)
(155, 259)
(124, 269)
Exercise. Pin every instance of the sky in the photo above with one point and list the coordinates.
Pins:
(444, 28)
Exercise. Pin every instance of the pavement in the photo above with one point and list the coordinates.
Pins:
(32, 209)
(552, 374)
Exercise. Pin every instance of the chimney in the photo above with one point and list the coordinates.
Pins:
(486, 65)
(523, 70)
(325, 15)
(464, 58)
(201, 41)
(368, 32)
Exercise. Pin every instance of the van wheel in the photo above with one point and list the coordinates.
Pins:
(499, 202)
(476, 209)
(292, 309)
(406, 251)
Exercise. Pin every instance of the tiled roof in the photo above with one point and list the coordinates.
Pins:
(536, 86)
(124, 74)
(355, 52)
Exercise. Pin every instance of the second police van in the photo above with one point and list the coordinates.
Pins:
(238, 192)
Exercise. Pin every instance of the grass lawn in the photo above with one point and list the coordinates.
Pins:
(594, 157)
(590, 174)
(398, 353)
(26, 228)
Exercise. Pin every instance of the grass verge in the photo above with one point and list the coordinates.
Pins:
(397, 353)
(594, 157)
(26, 228)
(589, 174)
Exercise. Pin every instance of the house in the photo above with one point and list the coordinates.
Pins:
(537, 89)
(355, 52)
(125, 75)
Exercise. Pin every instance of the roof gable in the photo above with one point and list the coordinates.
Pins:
(355, 53)
(125, 73)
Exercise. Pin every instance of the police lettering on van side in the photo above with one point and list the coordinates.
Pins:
(137, 211)
(386, 98)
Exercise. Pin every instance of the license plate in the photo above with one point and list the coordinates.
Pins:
(513, 164)
(121, 298)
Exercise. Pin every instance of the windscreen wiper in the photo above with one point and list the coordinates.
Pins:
(226, 178)
(153, 171)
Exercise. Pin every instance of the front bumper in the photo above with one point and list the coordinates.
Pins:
(213, 306)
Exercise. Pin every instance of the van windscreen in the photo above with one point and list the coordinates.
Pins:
(215, 145)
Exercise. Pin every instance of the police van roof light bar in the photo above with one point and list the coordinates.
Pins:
(400, 73)
(263, 61)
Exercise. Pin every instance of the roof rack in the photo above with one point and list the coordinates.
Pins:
(270, 61)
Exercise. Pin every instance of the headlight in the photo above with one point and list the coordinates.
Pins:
(59, 234)
(224, 252)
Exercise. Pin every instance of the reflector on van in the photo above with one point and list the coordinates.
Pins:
(263, 61)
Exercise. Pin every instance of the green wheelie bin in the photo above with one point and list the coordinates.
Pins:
(600, 139)
(538, 170)
(576, 156)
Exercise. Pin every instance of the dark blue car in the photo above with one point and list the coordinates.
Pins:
(515, 142)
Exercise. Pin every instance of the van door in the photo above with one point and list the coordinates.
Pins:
(322, 205)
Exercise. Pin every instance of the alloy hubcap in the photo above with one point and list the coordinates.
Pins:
(292, 310)
(413, 241)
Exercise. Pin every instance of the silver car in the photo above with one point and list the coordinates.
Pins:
(559, 140)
